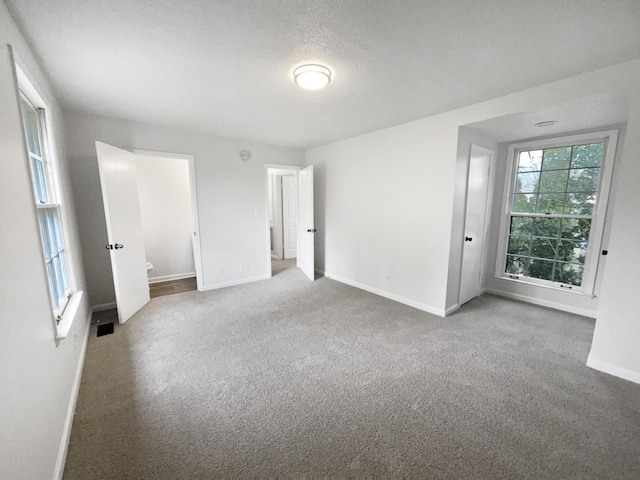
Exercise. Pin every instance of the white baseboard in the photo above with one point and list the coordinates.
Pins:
(167, 278)
(235, 282)
(420, 306)
(543, 303)
(613, 370)
(71, 409)
(103, 306)
(451, 309)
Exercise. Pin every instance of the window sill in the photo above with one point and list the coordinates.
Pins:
(71, 312)
(524, 281)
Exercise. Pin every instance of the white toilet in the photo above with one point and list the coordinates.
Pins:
(149, 267)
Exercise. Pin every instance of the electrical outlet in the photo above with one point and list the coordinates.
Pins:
(246, 267)
(241, 268)
(219, 271)
(388, 278)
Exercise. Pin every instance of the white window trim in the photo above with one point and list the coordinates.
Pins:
(610, 140)
(61, 323)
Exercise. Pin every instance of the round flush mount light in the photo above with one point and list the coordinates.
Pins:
(312, 77)
(245, 155)
(548, 123)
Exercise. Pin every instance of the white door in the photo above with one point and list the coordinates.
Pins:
(289, 215)
(306, 228)
(477, 188)
(124, 228)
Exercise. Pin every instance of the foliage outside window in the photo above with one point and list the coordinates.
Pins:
(47, 205)
(552, 216)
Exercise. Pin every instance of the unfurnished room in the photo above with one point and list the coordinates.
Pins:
(247, 239)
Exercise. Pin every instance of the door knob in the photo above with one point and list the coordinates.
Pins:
(109, 247)
(311, 230)
(466, 239)
(118, 245)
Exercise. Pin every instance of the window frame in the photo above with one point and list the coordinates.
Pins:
(63, 315)
(609, 138)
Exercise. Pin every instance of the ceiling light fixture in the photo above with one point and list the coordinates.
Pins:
(548, 123)
(312, 77)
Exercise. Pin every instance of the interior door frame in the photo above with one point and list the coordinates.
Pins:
(276, 166)
(492, 157)
(196, 242)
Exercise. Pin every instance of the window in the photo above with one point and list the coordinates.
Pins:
(555, 206)
(47, 203)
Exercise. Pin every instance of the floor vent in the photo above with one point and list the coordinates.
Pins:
(105, 329)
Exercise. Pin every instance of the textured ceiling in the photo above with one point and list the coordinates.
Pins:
(225, 66)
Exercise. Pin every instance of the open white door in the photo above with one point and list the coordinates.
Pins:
(477, 188)
(306, 237)
(124, 228)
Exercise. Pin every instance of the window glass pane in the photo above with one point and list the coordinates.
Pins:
(519, 245)
(553, 181)
(527, 182)
(556, 158)
(575, 229)
(546, 227)
(517, 265)
(524, 203)
(530, 161)
(551, 203)
(31, 130)
(542, 269)
(583, 180)
(587, 155)
(544, 248)
(580, 203)
(570, 251)
(39, 180)
(569, 273)
(521, 225)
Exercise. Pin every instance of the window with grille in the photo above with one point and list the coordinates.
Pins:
(557, 195)
(47, 204)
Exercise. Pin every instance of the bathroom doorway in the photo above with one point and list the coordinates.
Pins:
(168, 208)
(282, 217)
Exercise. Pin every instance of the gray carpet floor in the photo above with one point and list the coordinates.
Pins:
(286, 377)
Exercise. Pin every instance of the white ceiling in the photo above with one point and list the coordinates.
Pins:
(225, 66)
(580, 114)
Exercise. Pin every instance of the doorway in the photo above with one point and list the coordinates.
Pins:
(475, 220)
(121, 196)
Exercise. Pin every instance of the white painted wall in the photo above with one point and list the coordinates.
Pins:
(616, 340)
(388, 203)
(231, 196)
(38, 379)
(167, 218)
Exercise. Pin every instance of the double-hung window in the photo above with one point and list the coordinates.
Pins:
(47, 203)
(556, 200)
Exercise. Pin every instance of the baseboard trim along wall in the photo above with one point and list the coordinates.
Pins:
(451, 309)
(542, 303)
(71, 409)
(420, 306)
(167, 278)
(235, 282)
(613, 370)
(102, 307)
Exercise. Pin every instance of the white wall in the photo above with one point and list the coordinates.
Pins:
(386, 201)
(167, 219)
(38, 377)
(231, 196)
(616, 340)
